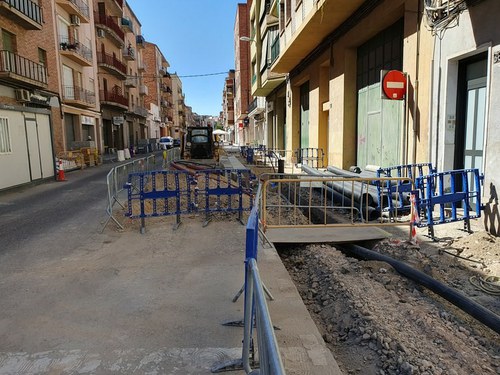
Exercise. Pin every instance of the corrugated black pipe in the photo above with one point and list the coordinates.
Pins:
(472, 308)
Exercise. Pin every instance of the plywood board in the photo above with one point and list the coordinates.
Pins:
(325, 235)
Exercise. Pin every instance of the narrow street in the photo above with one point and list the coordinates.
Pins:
(52, 218)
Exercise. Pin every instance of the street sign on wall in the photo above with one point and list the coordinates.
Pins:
(393, 84)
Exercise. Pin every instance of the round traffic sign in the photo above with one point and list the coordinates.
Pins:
(394, 85)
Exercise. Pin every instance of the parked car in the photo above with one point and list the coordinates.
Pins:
(166, 143)
(177, 142)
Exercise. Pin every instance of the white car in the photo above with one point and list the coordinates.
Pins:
(166, 143)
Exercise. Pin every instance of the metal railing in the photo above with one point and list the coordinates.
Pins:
(456, 193)
(256, 312)
(310, 156)
(109, 22)
(293, 201)
(78, 94)
(113, 97)
(110, 60)
(82, 7)
(27, 7)
(163, 193)
(14, 63)
(139, 110)
(117, 179)
(73, 45)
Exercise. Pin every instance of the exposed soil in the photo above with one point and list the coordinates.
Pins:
(378, 322)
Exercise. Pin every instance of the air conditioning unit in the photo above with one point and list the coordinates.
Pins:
(75, 20)
(22, 95)
(101, 33)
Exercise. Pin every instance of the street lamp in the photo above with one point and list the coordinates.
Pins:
(246, 39)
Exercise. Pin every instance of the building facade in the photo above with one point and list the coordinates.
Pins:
(30, 102)
(227, 120)
(241, 92)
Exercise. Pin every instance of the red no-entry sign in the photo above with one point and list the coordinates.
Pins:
(394, 85)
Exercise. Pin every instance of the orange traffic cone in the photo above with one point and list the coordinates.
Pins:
(60, 172)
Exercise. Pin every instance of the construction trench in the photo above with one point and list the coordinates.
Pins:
(360, 339)
(378, 306)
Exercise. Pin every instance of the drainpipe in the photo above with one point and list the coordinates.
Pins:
(415, 89)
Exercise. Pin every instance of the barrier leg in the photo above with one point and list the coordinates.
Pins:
(143, 225)
(177, 222)
(267, 291)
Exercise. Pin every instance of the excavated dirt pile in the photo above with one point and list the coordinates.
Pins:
(378, 322)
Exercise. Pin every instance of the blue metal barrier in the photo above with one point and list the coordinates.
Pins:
(163, 193)
(222, 190)
(256, 312)
(398, 193)
(451, 191)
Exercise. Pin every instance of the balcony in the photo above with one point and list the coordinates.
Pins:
(19, 70)
(78, 7)
(113, 98)
(128, 53)
(258, 105)
(312, 31)
(112, 28)
(75, 51)
(131, 82)
(115, 7)
(140, 41)
(143, 90)
(139, 111)
(127, 25)
(164, 87)
(141, 66)
(23, 12)
(79, 97)
(112, 65)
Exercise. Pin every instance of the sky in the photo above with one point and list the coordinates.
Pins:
(196, 38)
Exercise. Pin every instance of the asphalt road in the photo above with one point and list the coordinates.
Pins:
(78, 301)
(53, 217)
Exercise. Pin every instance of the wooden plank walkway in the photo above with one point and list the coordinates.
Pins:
(325, 234)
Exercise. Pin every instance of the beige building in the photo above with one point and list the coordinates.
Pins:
(135, 121)
(112, 71)
(77, 67)
(330, 55)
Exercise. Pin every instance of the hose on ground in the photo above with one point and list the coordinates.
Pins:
(489, 284)
(482, 314)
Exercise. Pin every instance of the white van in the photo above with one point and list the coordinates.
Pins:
(166, 143)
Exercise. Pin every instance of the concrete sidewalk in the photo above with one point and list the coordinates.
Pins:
(127, 303)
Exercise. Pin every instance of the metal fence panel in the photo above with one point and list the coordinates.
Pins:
(457, 194)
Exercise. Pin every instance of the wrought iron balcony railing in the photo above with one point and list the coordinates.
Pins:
(78, 94)
(14, 65)
(73, 45)
(113, 97)
(28, 8)
(109, 22)
(110, 60)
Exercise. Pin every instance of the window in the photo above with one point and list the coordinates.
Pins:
(8, 41)
(5, 146)
(42, 57)
(288, 10)
(282, 16)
